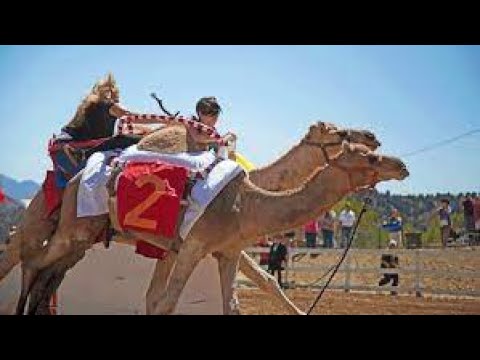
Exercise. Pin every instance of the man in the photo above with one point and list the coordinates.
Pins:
(347, 220)
(327, 225)
(311, 232)
(476, 212)
(394, 226)
(389, 261)
(468, 213)
(445, 220)
(277, 256)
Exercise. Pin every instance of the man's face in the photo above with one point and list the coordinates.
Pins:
(210, 120)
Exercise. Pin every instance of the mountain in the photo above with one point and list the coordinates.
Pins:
(18, 189)
(11, 212)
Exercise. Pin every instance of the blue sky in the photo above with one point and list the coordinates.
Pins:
(409, 96)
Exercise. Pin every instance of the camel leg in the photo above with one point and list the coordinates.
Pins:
(228, 268)
(266, 282)
(28, 278)
(39, 303)
(10, 257)
(32, 231)
(50, 279)
(72, 237)
(190, 254)
(159, 281)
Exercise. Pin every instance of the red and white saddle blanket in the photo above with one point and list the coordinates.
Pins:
(149, 195)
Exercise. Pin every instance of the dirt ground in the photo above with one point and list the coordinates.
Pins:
(463, 260)
(114, 281)
(254, 301)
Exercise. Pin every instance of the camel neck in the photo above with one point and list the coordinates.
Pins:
(288, 171)
(265, 213)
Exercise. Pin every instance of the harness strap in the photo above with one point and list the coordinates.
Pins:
(190, 122)
(323, 147)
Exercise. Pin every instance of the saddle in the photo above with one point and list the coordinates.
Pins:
(171, 220)
(66, 160)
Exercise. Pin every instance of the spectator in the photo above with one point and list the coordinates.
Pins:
(263, 242)
(394, 225)
(389, 261)
(468, 213)
(346, 220)
(327, 225)
(277, 257)
(443, 213)
(311, 233)
(476, 212)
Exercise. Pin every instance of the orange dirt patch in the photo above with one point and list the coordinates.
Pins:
(254, 301)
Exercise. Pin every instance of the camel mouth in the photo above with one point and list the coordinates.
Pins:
(376, 144)
(404, 173)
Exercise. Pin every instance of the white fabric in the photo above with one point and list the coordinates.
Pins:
(193, 161)
(206, 190)
(92, 195)
(347, 219)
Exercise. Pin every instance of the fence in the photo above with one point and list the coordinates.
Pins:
(421, 271)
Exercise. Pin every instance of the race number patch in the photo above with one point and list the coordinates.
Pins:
(149, 195)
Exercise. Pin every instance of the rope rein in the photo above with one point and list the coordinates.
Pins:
(364, 208)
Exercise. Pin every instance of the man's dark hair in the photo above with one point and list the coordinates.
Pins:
(208, 106)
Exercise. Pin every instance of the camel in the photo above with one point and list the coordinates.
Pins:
(296, 165)
(247, 212)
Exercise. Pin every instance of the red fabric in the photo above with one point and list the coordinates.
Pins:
(53, 195)
(311, 227)
(54, 146)
(476, 209)
(141, 182)
(150, 251)
(2, 196)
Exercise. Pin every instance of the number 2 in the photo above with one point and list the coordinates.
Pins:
(132, 218)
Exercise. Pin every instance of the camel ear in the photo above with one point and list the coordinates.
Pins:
(322, 126)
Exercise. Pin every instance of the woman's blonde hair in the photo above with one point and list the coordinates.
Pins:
(105, 89)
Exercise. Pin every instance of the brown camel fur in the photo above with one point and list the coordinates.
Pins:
(259, 213)
(288, 171)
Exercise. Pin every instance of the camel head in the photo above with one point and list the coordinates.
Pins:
(329, 134)
(358, 158)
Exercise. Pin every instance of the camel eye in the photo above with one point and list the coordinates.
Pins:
(372, 160)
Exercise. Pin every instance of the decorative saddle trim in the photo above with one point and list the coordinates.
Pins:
(126, 121)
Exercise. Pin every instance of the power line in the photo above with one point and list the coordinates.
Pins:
(440, 143)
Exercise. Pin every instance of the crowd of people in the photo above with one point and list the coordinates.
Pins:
(332, 231)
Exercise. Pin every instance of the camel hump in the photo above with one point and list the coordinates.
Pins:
(168, 140)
